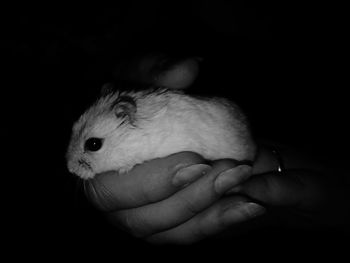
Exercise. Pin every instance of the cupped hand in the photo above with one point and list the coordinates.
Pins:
(311, 191)
(311, 198)
(176, 199)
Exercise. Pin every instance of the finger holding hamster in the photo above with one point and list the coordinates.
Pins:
(212, 221)
(145, 183)
(184, 204)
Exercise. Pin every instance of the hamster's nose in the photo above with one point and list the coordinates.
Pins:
(70, 167)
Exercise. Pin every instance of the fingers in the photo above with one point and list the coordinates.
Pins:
(145, 183)
(184, 204)
(218, 217)
(298, 188)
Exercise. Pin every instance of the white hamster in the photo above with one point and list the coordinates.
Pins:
(123, 129)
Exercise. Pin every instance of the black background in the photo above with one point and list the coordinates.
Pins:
(283, 63)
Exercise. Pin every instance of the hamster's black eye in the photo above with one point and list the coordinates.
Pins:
(93, 144)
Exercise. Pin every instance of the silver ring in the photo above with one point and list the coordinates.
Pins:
(280, 166)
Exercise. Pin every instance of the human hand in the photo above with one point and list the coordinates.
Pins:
(310, 191)
(176, 199)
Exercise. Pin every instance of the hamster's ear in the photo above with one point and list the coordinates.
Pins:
(180, 75)
(125, 108)
(106, 89)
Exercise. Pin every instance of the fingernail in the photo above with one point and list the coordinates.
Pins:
(253, 209)
(189, 174)
(229, 178)
(248, 210)
(235, 190)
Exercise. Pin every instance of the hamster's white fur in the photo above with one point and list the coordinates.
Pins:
(156, 124)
